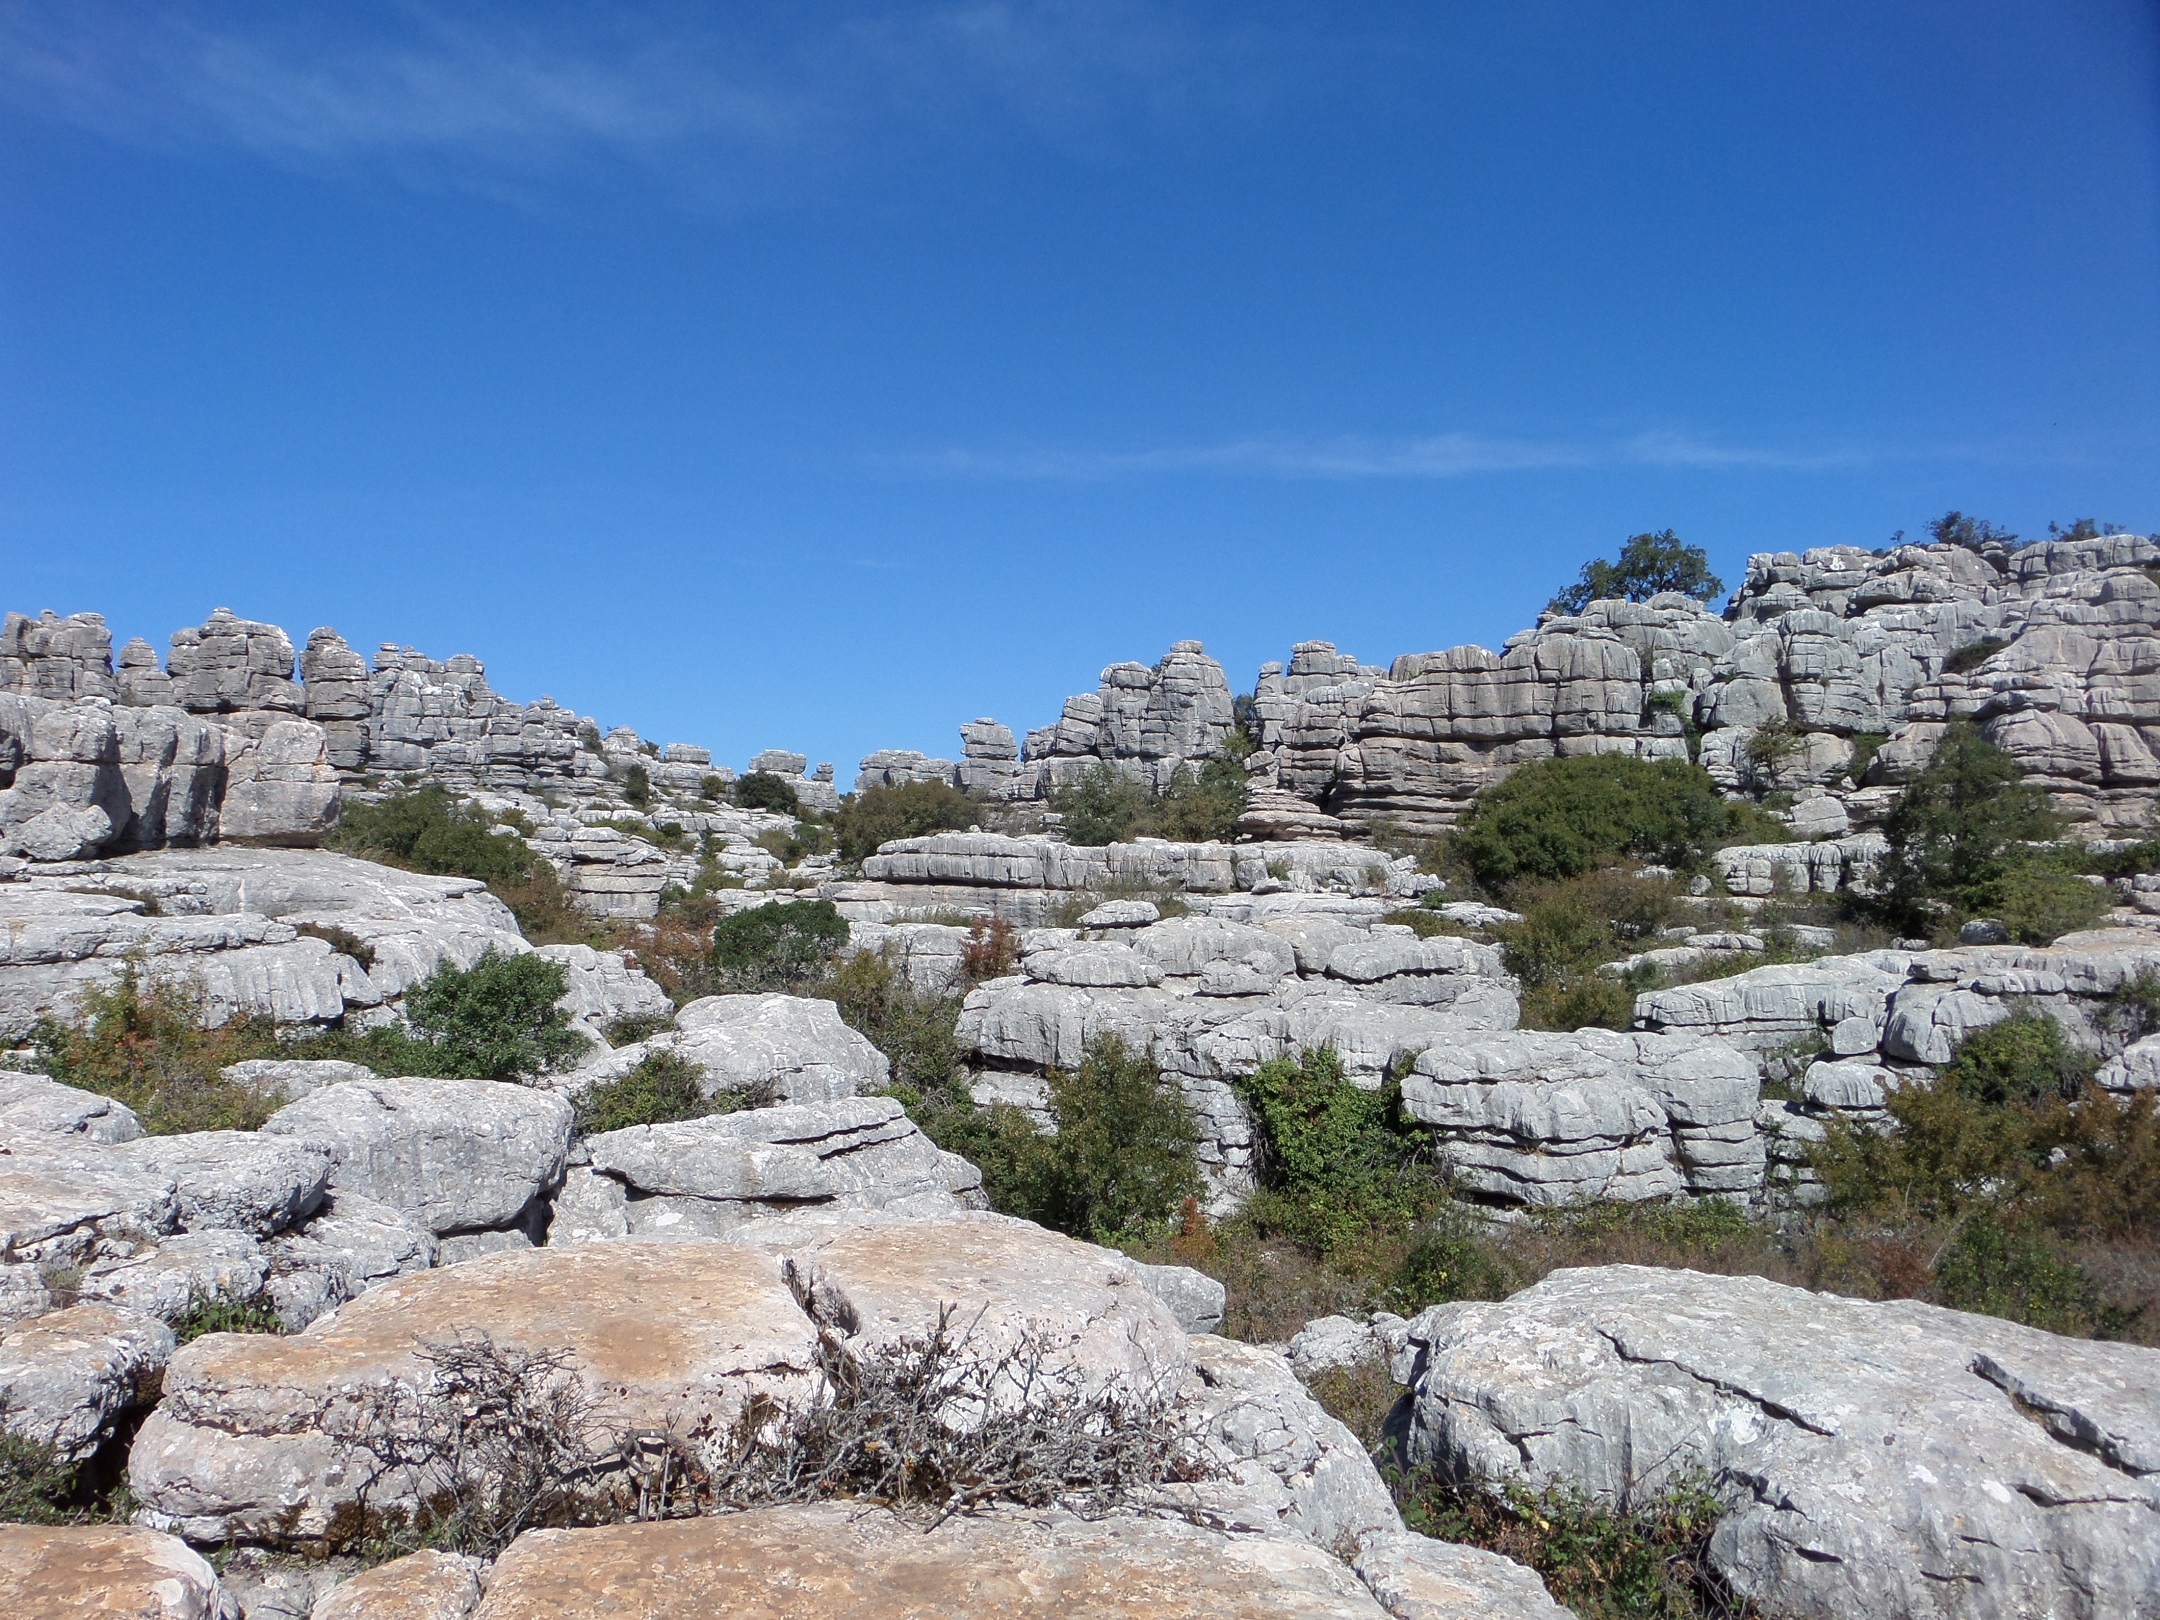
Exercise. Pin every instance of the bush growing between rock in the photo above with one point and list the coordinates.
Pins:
(1336, 1161)
(496, 1020)
(1559, 818)
(1124, 1156)
(429, 831)
(1649, 565)
(1646, 1560)
(662, 1089)
(1568, 930)
(142, 1043)
(493, 1441)
(1106, 806)
(762, 790)
(1954, 833)
(213, 1314)
(878, 815)
(780, 946)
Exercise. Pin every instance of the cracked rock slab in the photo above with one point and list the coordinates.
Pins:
(1877, 1458)
(810, 1563)
(84, 1572)
(249, 1439)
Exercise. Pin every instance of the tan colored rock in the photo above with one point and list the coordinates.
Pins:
(79, 1572)
(797, 1563)
(1004, 1280)
(662, 1335)
(1422, 1579)
(423, 1586)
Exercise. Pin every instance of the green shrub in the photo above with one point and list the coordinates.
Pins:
(1954, 830)
(1568, 930)
(2022, 1059)
(637, 787)
(662, 1089)
(1943, 1153)
(2013, 1271)
(1649, 565)
(498, 1019)
(1865, 746)
(878, 815)
(1335, 1164)
(36, 1487)
(1558, 818)
(762, 790)
(1426, 923)
(1125, 1154)
(2039, 904)
(1106, 806)
(1972, 655)
(779, 946)
(142, 1043)
(1449, 1259)
(430, 831)
(212, 1314)
(1645, 1560)
(1954, 528)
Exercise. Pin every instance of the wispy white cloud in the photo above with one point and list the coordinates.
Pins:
(1443, 455)
(471, 95)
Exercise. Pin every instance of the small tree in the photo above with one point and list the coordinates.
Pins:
(1125, 1154)
(498, 1019)
(1954, 528)
(1955, 829)
(1649, 565)
(878, 815)
(1106, 806)
(637, 787)
(778, 946)
(762, 790)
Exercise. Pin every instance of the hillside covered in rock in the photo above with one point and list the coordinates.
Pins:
(1660, 1119)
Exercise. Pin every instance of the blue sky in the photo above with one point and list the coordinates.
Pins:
(825, 376)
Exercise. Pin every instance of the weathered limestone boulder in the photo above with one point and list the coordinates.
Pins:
(419, 1586)
(1890, 1458)
(767, 1048)
(701, 1178)
(805, 1563)
(1193, 1297)
(2136, 1069)
(229, 664)
(601, 988)
(65, 1201)
(1536, 1118)
(289, 1079)
(238, 1181)
(56, 658)
(83, 1572)
(254, 1436)
(1768, 1008)
(459, 1155)
(34, 1103)
(1287, 1467)
(1003, 1281)
(184, 1270)
(66, 1378)
(1417, 1578)
(351, 1244)
(280, 788)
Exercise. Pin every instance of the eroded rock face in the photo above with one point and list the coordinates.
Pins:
(768, 1048)
(701, 1178)
(81, 1572)
(246, 1442)
(1888, 1458)
(833, 1559)
(459, 1155)
(1002, 1281)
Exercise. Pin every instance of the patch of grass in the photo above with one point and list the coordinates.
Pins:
(212, 1314)
(1645, 1560)
(663, 1089)
(343, 941)
(141, 1042)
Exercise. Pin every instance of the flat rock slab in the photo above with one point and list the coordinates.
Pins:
(1004, 1282)
(662, 1335)
(80, 1572)
(460, 1155)
(65, 1201)
(67, 1377)
(236, 1181)
(1880, 1459)
(1418, 1578)
(421, 1586)
(32, 1103)
(815, 1563)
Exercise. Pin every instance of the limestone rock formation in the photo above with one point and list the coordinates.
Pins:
(84, 1572)
(1878, 1459)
